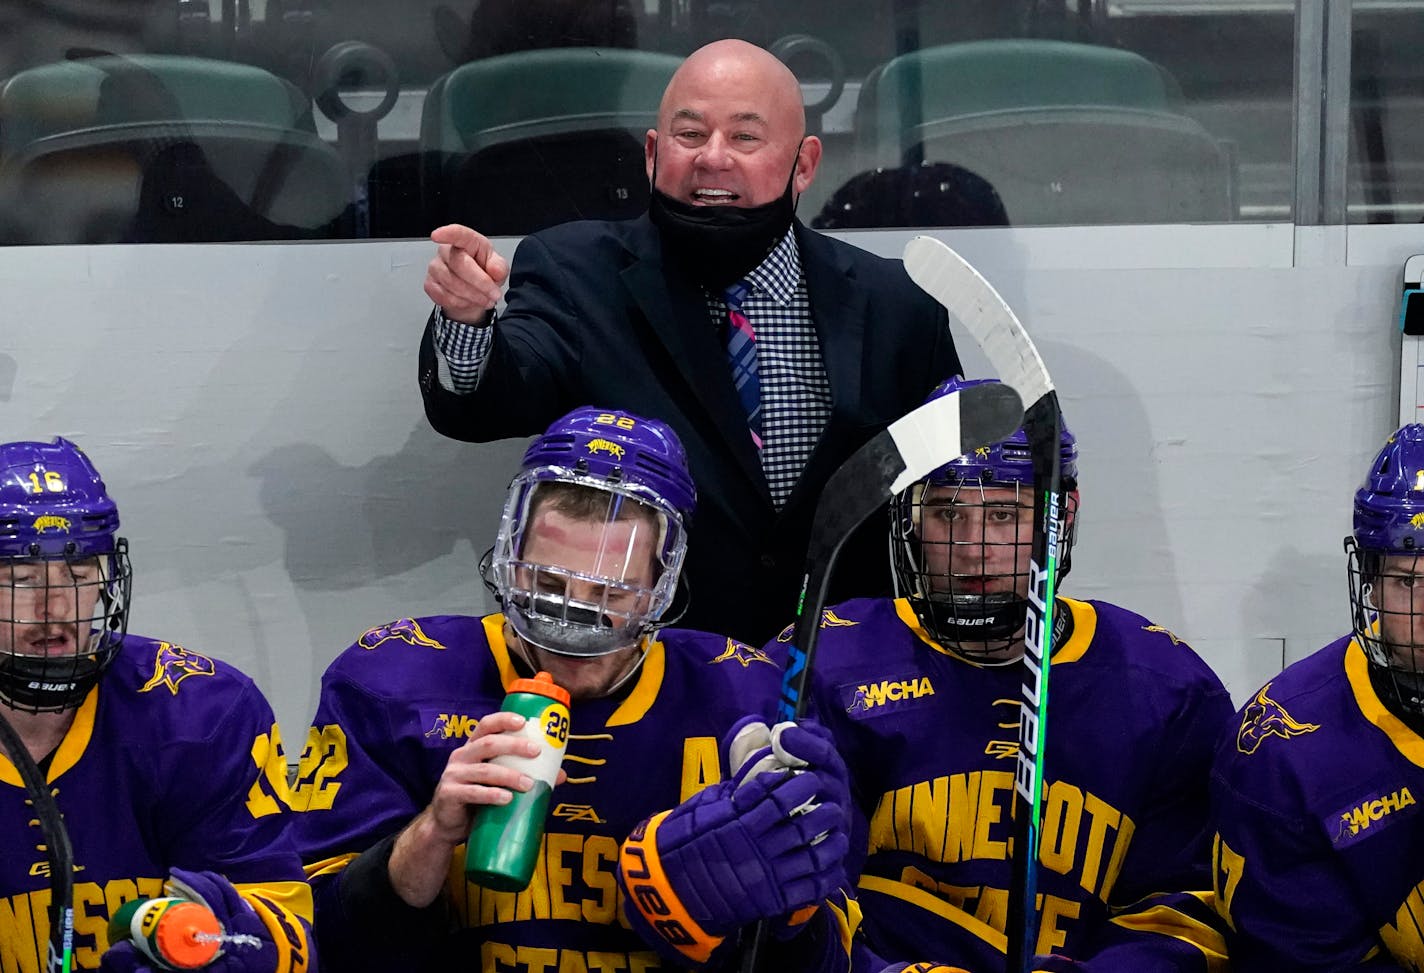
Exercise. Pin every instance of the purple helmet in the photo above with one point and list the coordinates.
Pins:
(1384, 561)
(975, 603)
(1004, 463)
(64, 591)
(1389, 505)
(607, 468)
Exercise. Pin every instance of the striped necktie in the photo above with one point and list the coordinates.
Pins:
(742, 356)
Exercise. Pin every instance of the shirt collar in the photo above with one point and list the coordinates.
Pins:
(780, 273)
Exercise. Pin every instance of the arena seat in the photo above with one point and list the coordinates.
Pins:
(518, 142)
(161, 148)
(1065, 133)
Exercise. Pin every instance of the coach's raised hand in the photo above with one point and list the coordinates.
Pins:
(466, 275)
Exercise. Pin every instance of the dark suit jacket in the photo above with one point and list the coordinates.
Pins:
(596, 316)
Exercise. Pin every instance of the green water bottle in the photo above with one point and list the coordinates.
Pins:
(505, 838)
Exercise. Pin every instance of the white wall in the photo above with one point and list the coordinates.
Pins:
(255, 413)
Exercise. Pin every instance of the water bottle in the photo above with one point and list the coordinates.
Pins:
(505, 838)
(173, 933)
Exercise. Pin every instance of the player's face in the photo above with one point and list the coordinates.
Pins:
(608, 565)
(976, 541)
(1399, 596)
(730, 131)
(47, 608)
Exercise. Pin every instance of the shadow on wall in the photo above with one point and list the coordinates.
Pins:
(1123, 553)
(351, 526)
(9, 369)
(1300, 597)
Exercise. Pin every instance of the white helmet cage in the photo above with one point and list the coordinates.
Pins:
(587, 613)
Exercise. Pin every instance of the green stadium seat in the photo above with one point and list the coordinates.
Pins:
(157, 148)
(521, 141)
(1065, 133)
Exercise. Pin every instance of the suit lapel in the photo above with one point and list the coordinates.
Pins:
(840, 312)
(675, 309)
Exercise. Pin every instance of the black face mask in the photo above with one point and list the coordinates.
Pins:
(719, 244)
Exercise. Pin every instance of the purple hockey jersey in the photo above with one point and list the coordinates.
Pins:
(931, 740)
(1319, 854)
(393, 707)
(174, 759)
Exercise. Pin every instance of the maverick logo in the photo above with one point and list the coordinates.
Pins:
(869, 696)
(604, 446)
(1162, 631)
(50, 522)
(829, 619)
(448, 726)
(405, 630)
(1358, 819)
(744, 654)
(1264, 717)
(172, 664)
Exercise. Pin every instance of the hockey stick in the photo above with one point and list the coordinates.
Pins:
(948, 277)
(909, 449)
(57, 850)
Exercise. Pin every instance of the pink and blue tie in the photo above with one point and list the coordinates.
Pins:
(741, 354)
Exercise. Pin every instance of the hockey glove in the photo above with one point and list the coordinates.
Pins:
(753, 748)
(258, 936)
(731, 854)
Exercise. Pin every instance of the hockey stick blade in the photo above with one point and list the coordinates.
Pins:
(58, 852)
(909, 449)
(949, 279)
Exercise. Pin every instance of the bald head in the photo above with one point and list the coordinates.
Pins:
(732, 129)
(738, 68)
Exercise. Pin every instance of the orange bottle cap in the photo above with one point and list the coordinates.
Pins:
(541, 685)
(188, 936)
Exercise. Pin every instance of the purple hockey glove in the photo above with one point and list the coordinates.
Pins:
(769, 843)
(729, 855)
(748, 746)
(806, 746)
(922, 968)
(734, 854)
(259, 936)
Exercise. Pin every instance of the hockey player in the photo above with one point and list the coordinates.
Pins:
(585, 568)
(921, 693)
(165, 764)
(1319, 853)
